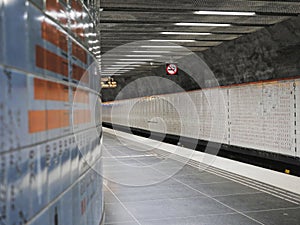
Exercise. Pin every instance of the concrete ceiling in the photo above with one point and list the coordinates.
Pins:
(127, 21)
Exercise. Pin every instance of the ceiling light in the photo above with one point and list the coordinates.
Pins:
(163, 40)
(159, 52)
(204, 24)
(119, 66)
(117, 69)
(94, 42)
(111, 71)
(185, 33)
(159, 46)
(136, 60)
(150, 56)
(123, 65)
(126, 63)
(90, 35)
(224, 13)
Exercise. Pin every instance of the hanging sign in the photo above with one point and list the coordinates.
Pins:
(172, 69)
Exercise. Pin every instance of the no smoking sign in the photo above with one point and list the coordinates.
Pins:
(172, 69)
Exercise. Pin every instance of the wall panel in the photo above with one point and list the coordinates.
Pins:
(39, 150)
(262, 116)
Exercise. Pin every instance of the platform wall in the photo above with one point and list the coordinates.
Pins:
(261, 115)
(48, 126)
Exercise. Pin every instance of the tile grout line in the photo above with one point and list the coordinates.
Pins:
(136, 220)
(270, 210)
(191, 197)
(235, 210)
(246, 182)
(210, 197)
(190, 217)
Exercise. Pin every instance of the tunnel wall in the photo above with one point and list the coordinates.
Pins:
(271, 53)
(47, 123)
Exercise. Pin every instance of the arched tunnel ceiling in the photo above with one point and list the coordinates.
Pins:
(123, 22)
(239, 48)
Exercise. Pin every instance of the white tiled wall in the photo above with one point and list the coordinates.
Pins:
(259, 115)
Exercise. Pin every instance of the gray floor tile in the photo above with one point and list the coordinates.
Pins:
(125, 223)
(224, 189)
(251, 202)
(109, 198)
(227, 219)
(278, 217)
(200, 178)
(189, 170)
(156, 192)
(169, 208)
(115, 213)
(173, 200)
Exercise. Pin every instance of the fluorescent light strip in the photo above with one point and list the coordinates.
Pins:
(94, 42)
(119, 67)
(119, 71)
(204, 24)
(224, 13)
(95, 48)
(123, 65)
(159, 52)
(146, 56)
(128, 63)
(185, 33)
(163, 40)
(113, 71)
(143, 60)
(159, 46)
(90, 35)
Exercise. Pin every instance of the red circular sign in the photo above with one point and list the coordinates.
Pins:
(172, 69)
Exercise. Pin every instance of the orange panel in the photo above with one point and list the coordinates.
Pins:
(53, 5)
(50, 61)
(47, 90)
(79, 52)
(77, 6)
(81, 96)
(40, 121)
(57, 92)
(57, 119)
(79, 32)
(82, 116)
(53, 35)
(40, 92)
(79, 74)
(37, 121)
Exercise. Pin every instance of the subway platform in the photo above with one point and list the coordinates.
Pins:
(150, 186)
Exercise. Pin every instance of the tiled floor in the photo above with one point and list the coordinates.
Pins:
(143, 188)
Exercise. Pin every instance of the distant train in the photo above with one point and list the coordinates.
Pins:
(256, 123)
(50, 121)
